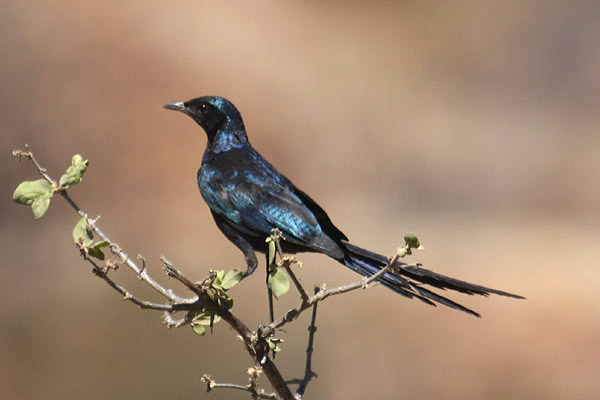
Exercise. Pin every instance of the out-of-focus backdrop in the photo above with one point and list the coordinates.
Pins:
(474, 124)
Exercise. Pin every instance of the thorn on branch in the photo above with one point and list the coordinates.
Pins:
(110, 264)
(117, 251)
(171, 322)
(173, 272)
(209, 381)
(143, 260)
(28, 154)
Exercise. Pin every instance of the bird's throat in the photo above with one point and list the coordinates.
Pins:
(225, 141)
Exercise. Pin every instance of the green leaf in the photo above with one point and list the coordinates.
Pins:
(40, 206)
(82, 233)
(198, 329)
(205, 317)
(272, 248)
(274, 344)
(95, 250)
(202, 320)
(279, 282)
(74, 173)
(412, 241)
(231, 278)
(220, 274)
(27, 192)
(34, 193)
(218, 278)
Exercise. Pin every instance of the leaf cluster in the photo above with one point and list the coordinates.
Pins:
(38, 193)
(411, 242)
(83, 236)
(218, 284)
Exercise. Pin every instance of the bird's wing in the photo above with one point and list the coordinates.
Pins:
(263, 206)
(326, 224)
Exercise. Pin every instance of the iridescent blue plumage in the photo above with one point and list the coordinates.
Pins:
(251, 194)
(248, 198)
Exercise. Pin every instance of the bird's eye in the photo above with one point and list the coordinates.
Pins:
(203, 108)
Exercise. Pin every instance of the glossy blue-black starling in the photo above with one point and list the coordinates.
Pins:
(248, 198)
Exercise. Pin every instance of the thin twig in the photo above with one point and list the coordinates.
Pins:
(141, 272)
(143, 304)
(28, 154)
(173, 272)
(308, 372)
(256, 393)
(285, 262)
(323, 294)
(269, 289)
(286, 265)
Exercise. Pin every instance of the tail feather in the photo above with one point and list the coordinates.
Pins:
(426, 276)
(366, 267)
(444, 300)
(407, 279)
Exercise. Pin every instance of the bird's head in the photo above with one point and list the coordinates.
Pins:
(216, 115)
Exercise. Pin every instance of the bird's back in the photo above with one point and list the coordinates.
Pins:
(248, 191)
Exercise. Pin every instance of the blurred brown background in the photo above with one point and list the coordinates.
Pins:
(474, 124)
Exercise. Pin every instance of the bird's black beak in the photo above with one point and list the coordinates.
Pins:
(177, 106)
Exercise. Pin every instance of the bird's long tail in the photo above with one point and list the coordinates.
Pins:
(409, 280)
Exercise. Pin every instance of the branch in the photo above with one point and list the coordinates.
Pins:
(28, 154)
(214, 300)
(210, 303)
(285, 262)
(140, 271)
(255, 344)
(323, 294)
(115, 248)
(308, 372)
(102, 273)
(250, 388)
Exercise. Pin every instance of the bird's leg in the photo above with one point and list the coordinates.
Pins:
(251, 262)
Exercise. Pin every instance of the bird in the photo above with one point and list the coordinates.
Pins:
(249, 198)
